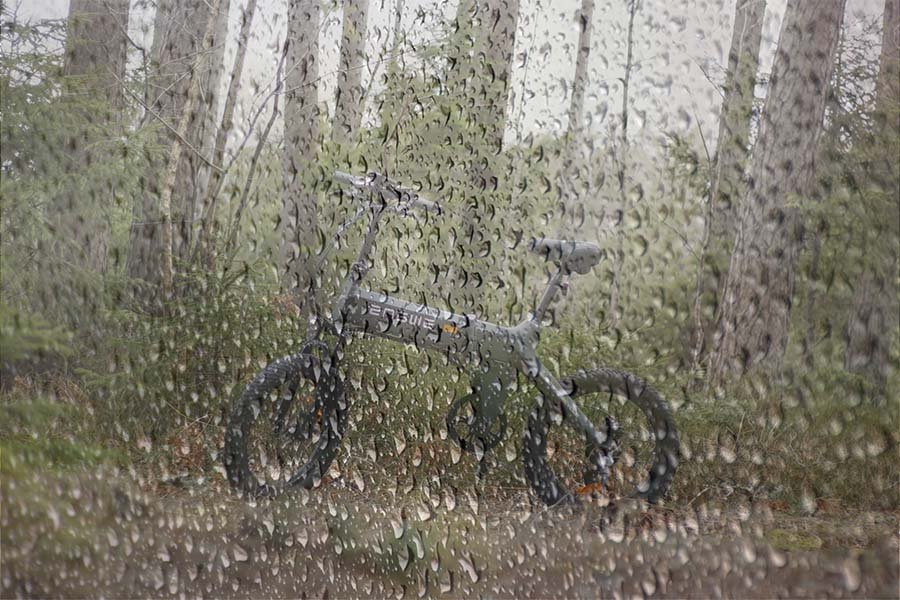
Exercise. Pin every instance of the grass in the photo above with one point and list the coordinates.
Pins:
(40, 433)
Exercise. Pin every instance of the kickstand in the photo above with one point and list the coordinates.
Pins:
(483, 461)
(482, 467)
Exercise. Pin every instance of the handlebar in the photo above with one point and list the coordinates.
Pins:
(378, 183)
(348, 179)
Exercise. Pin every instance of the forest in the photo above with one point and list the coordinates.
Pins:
(168, 211)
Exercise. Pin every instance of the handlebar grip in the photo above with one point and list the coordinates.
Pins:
(346, 178)
(428, 206)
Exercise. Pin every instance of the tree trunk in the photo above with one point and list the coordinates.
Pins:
(621, 159)
(733, 146)
(299, 224)
(478, 85)
(208, 226)
(389, 148)
(500, 32)
(576, 107)
(193, 172)
(888, 91)
(757, 296)
(195, 192)
(829, 141)
(350, 101)
(176, 45)
(94, 68)
(573, 172)
(873, 320)
(732, 153)
(96, 45)
(481, 79)
(170, 181)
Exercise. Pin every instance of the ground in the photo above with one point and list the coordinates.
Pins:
(113, 533)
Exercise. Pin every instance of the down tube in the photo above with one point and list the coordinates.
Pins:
(393, 319)
(550, 387)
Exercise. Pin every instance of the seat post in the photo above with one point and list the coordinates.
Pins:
(549, 293)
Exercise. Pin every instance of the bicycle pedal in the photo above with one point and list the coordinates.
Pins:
(590, 489)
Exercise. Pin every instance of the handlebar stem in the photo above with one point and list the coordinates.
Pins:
(360, 267)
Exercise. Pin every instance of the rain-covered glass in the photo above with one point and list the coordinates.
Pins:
(421, 298)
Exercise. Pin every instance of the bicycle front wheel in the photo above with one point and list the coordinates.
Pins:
(560, 461)
(286, 428)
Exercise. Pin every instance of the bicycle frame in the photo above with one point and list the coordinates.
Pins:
(498, 353)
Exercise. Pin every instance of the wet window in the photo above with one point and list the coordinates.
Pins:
(420, 298)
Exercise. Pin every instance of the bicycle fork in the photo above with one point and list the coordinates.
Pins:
(601, 446)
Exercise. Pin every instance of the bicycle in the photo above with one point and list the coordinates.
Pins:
(571, 444)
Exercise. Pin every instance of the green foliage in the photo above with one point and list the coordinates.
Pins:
(38, 433)
(797, 451)
(166, 372)
(60, 163)
(23, 334)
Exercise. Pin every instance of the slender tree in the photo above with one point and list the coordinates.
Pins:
(579, 83)
(299, 224)
(733, 146)
(620, 154)
(173, 163)
(389, 150)
(350, 101)
(206, 237)
(732, 153)
(757, 296)
(179, 33)
(873, 320)
(195, 192)
(575, 128)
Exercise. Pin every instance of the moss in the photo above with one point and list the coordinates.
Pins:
(782, 539)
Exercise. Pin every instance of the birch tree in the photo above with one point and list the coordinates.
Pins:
(299, 224)
(753, 326)
(179, 31)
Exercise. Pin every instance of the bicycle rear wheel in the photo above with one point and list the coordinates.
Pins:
(286, 428)
(560, 462)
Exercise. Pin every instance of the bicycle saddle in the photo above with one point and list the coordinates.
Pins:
(571, 256)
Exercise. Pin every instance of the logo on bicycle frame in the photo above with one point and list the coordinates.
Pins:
(395, 316)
